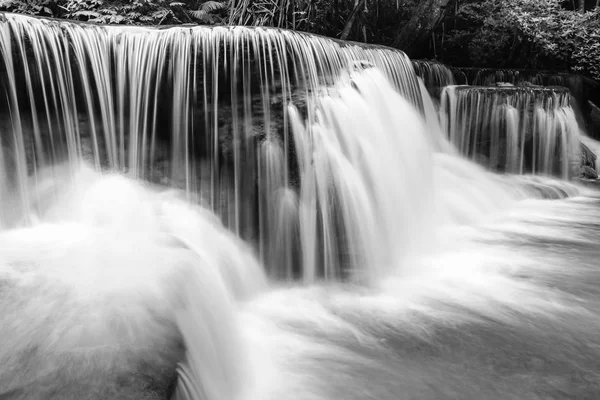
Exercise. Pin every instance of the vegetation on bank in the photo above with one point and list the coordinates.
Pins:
(540, 34)
(136, 12)
(537, 34)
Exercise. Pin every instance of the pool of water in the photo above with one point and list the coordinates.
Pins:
(118, 286)
(504, 309)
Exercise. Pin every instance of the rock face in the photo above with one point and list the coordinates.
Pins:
(588, 158)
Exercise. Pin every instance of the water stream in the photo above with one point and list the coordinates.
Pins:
(234, 213)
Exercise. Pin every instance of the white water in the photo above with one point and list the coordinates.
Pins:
(501, 310)
(203, 109)
(513, 129)
(476, 289)
(99, 291)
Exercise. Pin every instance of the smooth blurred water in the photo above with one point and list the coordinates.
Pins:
(498, 297)
(116, 274)
(514, 129)
(423, 275)
(507, 308)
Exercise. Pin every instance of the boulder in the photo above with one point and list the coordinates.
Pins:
(588, 172)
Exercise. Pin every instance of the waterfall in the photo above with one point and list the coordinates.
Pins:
(435, 75)
(513, 129)
(253, 123)
(162, 189)
(582, 88)
(201, 109)
(368, 170)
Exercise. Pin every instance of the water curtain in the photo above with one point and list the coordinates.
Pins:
(513, 129)
(203, 109)
(435, 75)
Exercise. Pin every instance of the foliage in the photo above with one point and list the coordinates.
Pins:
(318, 16)
(38, 7)
(479, 37)
(376, 22)
(209, 11)
(570, 37)
(136, 12)
(525, 34)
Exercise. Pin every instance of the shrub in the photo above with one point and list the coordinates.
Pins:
(537, 34)
(136, 12)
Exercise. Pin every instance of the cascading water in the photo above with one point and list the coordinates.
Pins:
(435, 75)
(347, 168)
(211, 96)
(583, 89)
(513, 129)
(100, 295)
(420, 273)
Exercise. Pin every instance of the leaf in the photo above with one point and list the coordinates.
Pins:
(203, 14)
(212, 6)
(86, 13)
(160, 14)
(11, 4)
(117, 19)
(198, 14)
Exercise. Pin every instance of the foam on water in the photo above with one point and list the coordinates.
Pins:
(101, 295)
(423, 274)
(499, 302)
(115, 269)
(498, 311)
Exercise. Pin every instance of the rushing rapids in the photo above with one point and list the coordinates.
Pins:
(161, 188)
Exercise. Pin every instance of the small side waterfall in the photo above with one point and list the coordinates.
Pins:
(513, 129)
(583, 89)
(435, 75)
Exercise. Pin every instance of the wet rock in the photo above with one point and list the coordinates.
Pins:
(588, 157)
(528, 84)
(588, 173)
